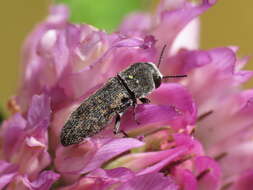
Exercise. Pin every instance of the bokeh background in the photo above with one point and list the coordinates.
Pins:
(229, 22)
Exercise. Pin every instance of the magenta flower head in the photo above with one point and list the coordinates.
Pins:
(195, 134)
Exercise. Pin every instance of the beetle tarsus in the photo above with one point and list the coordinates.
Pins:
(144, 100)
(116, 129)
(124, 133)
(134, 114)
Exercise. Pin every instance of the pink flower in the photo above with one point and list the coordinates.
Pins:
(195, 134)
(25, 145)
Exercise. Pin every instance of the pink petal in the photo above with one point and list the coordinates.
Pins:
(56, 49)
(148, 162)
(86, 183)
(121, 53)
(193, 145)
(218, 75)
(58, 14)
(74, 158)
(13, 134)
(119, 178)
(173, 21)
(244, 182)
(234, 115)
(38, 72)
(43, 182)
(110, 150)
(188, 37)
(177, 96)
(27, 146)
(136, 24)
(32, 158)
(8, 172)
(210, 179)
(235, 159)
(174, 154)
(149, 182)
(185, 61)
(233, 140)
(39, 111)
(242, 76)
(114, 175)
(107, 151)
(150, 115)
(101, 179)
(185, 179)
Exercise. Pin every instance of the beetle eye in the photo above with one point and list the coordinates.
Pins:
(158, 81)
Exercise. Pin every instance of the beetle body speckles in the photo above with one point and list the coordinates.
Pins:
(95, 112)
(113, 99)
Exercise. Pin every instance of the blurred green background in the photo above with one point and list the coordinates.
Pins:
(229, 22)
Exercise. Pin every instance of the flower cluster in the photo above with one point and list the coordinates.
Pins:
(195, 134)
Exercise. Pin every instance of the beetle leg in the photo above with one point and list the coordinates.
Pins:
(124, 133)
(116, 129)
(117, 123)
(144, 100)
(134, 113)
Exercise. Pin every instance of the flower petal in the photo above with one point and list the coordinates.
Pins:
(177, 96)
(151, 115)
(193, 145)
(173, 21)
(175, 107)
(136, 24)
(185, 61)
(38, 73)
(28, 140)
(109, 150)
(43, 182)
(149, 182)
(208, 173)
(101, 179)
(114, 175)
(147, 162)
(74, 158)
(8, 172)
(39, 111)
(219, 75)
(175, 154)
(185, 179)
(13, 134)
(244, 182)
(235, 116)
(188, 38)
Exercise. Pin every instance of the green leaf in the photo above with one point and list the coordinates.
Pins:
(1, 117)
(104, 14)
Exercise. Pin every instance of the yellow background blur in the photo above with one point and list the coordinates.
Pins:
(229, 22)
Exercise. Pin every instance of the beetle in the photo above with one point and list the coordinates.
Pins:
(113, 99)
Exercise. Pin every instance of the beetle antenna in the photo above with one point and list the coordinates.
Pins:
(159, 62)
(161, 55)
(174, 76)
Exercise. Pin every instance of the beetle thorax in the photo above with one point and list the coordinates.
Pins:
(141, 78)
